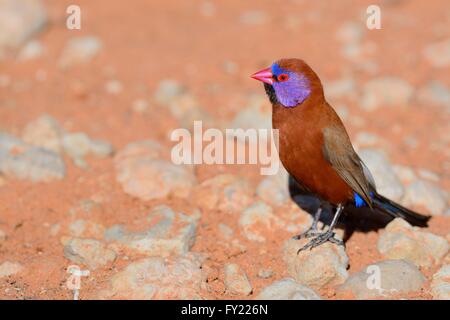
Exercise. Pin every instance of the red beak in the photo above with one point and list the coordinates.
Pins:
(264, 75)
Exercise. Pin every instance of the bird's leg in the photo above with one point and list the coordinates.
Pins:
(328, 235)
(312, 230)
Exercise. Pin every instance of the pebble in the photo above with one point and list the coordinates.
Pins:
(186, 109)
(386, 181)
(77, 145)
(224, 192)
(9, 268)
(236, 280)
(155, 278)
(89, 252)
(31, 50)
(143, 175)
(265, 273)
(44, 132)
(440, 284)
(86, 229)
(23, 161)
(168, 90)
(274, 189)
(395, 276)
(19, 21)
(169, 233)
(322, 266)
(400, 240)
(438, 54)
(287, 289)
(79, 50)
(257, 220)
(426, 195)
(254, 17)
(386, 92)
(434, 92)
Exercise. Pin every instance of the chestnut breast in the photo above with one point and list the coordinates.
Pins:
(301, 149)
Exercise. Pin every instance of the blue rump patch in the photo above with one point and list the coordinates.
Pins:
(359, 202)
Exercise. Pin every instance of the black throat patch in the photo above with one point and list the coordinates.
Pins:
(270, 91)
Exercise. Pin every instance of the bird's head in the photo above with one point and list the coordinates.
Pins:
(289, 82)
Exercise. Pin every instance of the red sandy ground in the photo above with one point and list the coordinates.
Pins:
(147, 41)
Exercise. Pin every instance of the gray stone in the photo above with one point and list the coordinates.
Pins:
(236, 280)
(440, 284)
(158, 278)
(316, 268)
(169, 233)
(19, 21)
(79, 50)
(386, 92)
(274, 189)
(257, 218)
(89, 252)
(31, 50)
(435, 93)
(23, 161)
(400, 240)
(224, 192)
(426, 195)
(383, 279)
(265, 273)
(287, 289)
(9, 268)
(438, 54)
(168, 90)
(386, 181)
(143, 175)
(44, 132)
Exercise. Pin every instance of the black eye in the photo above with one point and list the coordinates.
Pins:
(283, 77)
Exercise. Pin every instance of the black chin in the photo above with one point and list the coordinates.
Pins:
(270, 91)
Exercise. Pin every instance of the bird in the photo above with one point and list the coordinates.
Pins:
(315, 149)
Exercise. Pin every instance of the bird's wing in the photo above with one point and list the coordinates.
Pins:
(338, 151)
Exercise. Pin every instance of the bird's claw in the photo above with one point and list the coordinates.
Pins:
(321, 238)
(311, 232)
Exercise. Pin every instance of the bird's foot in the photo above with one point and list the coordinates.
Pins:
(311, 232)
(320, 239)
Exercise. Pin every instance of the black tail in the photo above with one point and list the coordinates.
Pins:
(398, 211)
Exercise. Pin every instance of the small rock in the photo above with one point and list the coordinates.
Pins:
(434, 93)
(274, 189)
(404, 173)
(168, 90)
(265, 273)
(144, 176)
(78, 145)
(79, 50)
(424, 194)
(169, 233)
(386, 181)
(8, 268)
(32, 50)
(400, 240)
(321, 266)
(86, 229)
(19, 21)
(224, 192)
(89, 252)
(140, 106)
(350, 32)
(395, 276)
(23, 161)
(253, 17)
(44, 132)
(186, 109)
(386, 92)
(158, 278)
(113, 87)
(287, 289)
(440, 285)
(236, 281)
(257, 218)
(438, 54)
